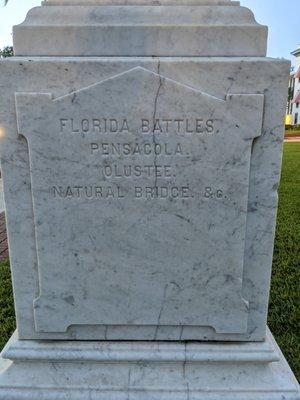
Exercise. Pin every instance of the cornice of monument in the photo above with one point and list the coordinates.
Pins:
(140, 2)
(188, 28)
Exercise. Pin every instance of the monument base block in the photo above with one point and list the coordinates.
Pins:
(35, 370)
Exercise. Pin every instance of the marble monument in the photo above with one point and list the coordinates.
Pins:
(141, 153)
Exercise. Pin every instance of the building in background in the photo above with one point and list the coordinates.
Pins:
(293, 105)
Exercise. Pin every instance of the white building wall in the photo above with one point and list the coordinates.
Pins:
(296, 106)
(293, 108)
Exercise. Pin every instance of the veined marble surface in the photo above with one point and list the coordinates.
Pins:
(134, 28)
(38, 370)
(140, 189)
(141, 2)
(141, 152)
(125, 268)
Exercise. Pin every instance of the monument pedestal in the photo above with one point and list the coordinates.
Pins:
(141, 155)
(48, 370)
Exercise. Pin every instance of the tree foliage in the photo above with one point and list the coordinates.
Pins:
(6, 52)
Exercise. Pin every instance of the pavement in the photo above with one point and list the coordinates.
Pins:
(1, 197)
(292, 138)
(3, 235)
(3, 238)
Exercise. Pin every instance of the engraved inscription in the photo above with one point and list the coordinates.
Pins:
(99, 192)
(111, 192)
(145, 182)
(138, 171)
(131, 149)
(159, 125)
(145, 147)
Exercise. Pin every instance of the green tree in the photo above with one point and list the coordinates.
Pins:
(6, 52)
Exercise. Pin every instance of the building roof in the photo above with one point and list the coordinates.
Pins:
(296, 52)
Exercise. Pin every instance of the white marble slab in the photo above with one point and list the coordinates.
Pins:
(122, 284)
(141, 152)
(140, 2)
(38, 370)
(131, 28)
(140, 194)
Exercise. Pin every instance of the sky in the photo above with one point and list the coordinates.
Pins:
(282, 17)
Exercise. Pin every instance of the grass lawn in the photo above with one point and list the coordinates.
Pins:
(285, 291)
(7, 314)
(284, 317)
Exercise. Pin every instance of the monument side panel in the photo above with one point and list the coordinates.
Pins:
(83, 173)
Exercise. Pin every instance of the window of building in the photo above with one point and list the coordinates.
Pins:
(296, 119)
(297, 105)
